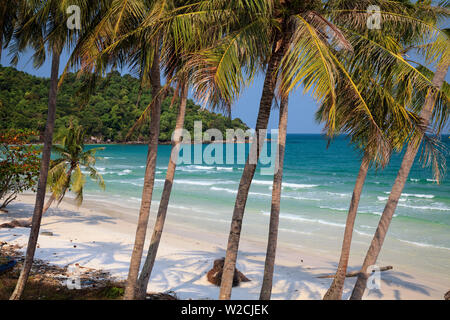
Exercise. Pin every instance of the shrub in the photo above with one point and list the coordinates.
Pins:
(19, 164)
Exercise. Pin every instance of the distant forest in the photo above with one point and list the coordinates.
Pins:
(109, 113)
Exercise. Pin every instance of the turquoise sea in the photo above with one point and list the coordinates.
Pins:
(318, 184)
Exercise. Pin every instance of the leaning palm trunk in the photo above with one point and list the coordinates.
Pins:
(149, 180)
(54, 196)
(250, 168)
(399, 184)
(165, 197)
(49, 203)
(42, 183)
(337, 287)
(266, 289)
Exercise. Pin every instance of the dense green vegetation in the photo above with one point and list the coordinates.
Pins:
(108, 115)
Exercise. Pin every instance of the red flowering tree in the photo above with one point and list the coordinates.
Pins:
(19, 164)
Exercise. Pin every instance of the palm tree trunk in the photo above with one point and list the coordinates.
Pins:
(266, 289)
(399, 184)
(249, 169)
(49, 203)
(165, 197)
(337, 287)
(63, 191)
(42, 183)
(149, 180)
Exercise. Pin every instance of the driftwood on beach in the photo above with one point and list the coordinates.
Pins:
(354, 273)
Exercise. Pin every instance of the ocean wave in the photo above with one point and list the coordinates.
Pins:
(295, 231)
(362, 233)
(425, 245)
(285, 184)
(385, 199)
(134, 199)
(124, 172)
(414, 195)
(299, 218)
(333, 208)
(232, 191)
(224, 189)
(259, 194)
(202, 218)
(135, 182)
(424, 207)
(299, 198)
(194, 168)
(202, 167)
(224, 168)
(342, 195)
(195, 182)
(377, 213)
(192, 209)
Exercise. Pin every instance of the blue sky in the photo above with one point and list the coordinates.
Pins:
(301, 106)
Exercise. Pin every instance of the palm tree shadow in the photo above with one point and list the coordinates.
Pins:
(17, 210)
(102, 254)
(396, 280)
(185, 274)
(23, 211)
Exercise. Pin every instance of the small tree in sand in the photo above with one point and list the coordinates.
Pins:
(65, 173)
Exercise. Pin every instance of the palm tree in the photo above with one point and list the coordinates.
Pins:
(132, 32)
(181, 23)
(386, 103)
(399, 184)
(165, 197)
(113, 41)
(43, 26)
(266, 288)
(398, 135)
(306, 39)
(9, 12)
(432, 103)
(181, 57)
(66, 171)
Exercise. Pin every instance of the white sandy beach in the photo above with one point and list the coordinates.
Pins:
(101, 237)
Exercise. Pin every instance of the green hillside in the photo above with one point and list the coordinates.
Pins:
(108, 115)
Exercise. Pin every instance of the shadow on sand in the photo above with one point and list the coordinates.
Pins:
(184, 271)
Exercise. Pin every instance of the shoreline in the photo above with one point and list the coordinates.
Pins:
(101, 237)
